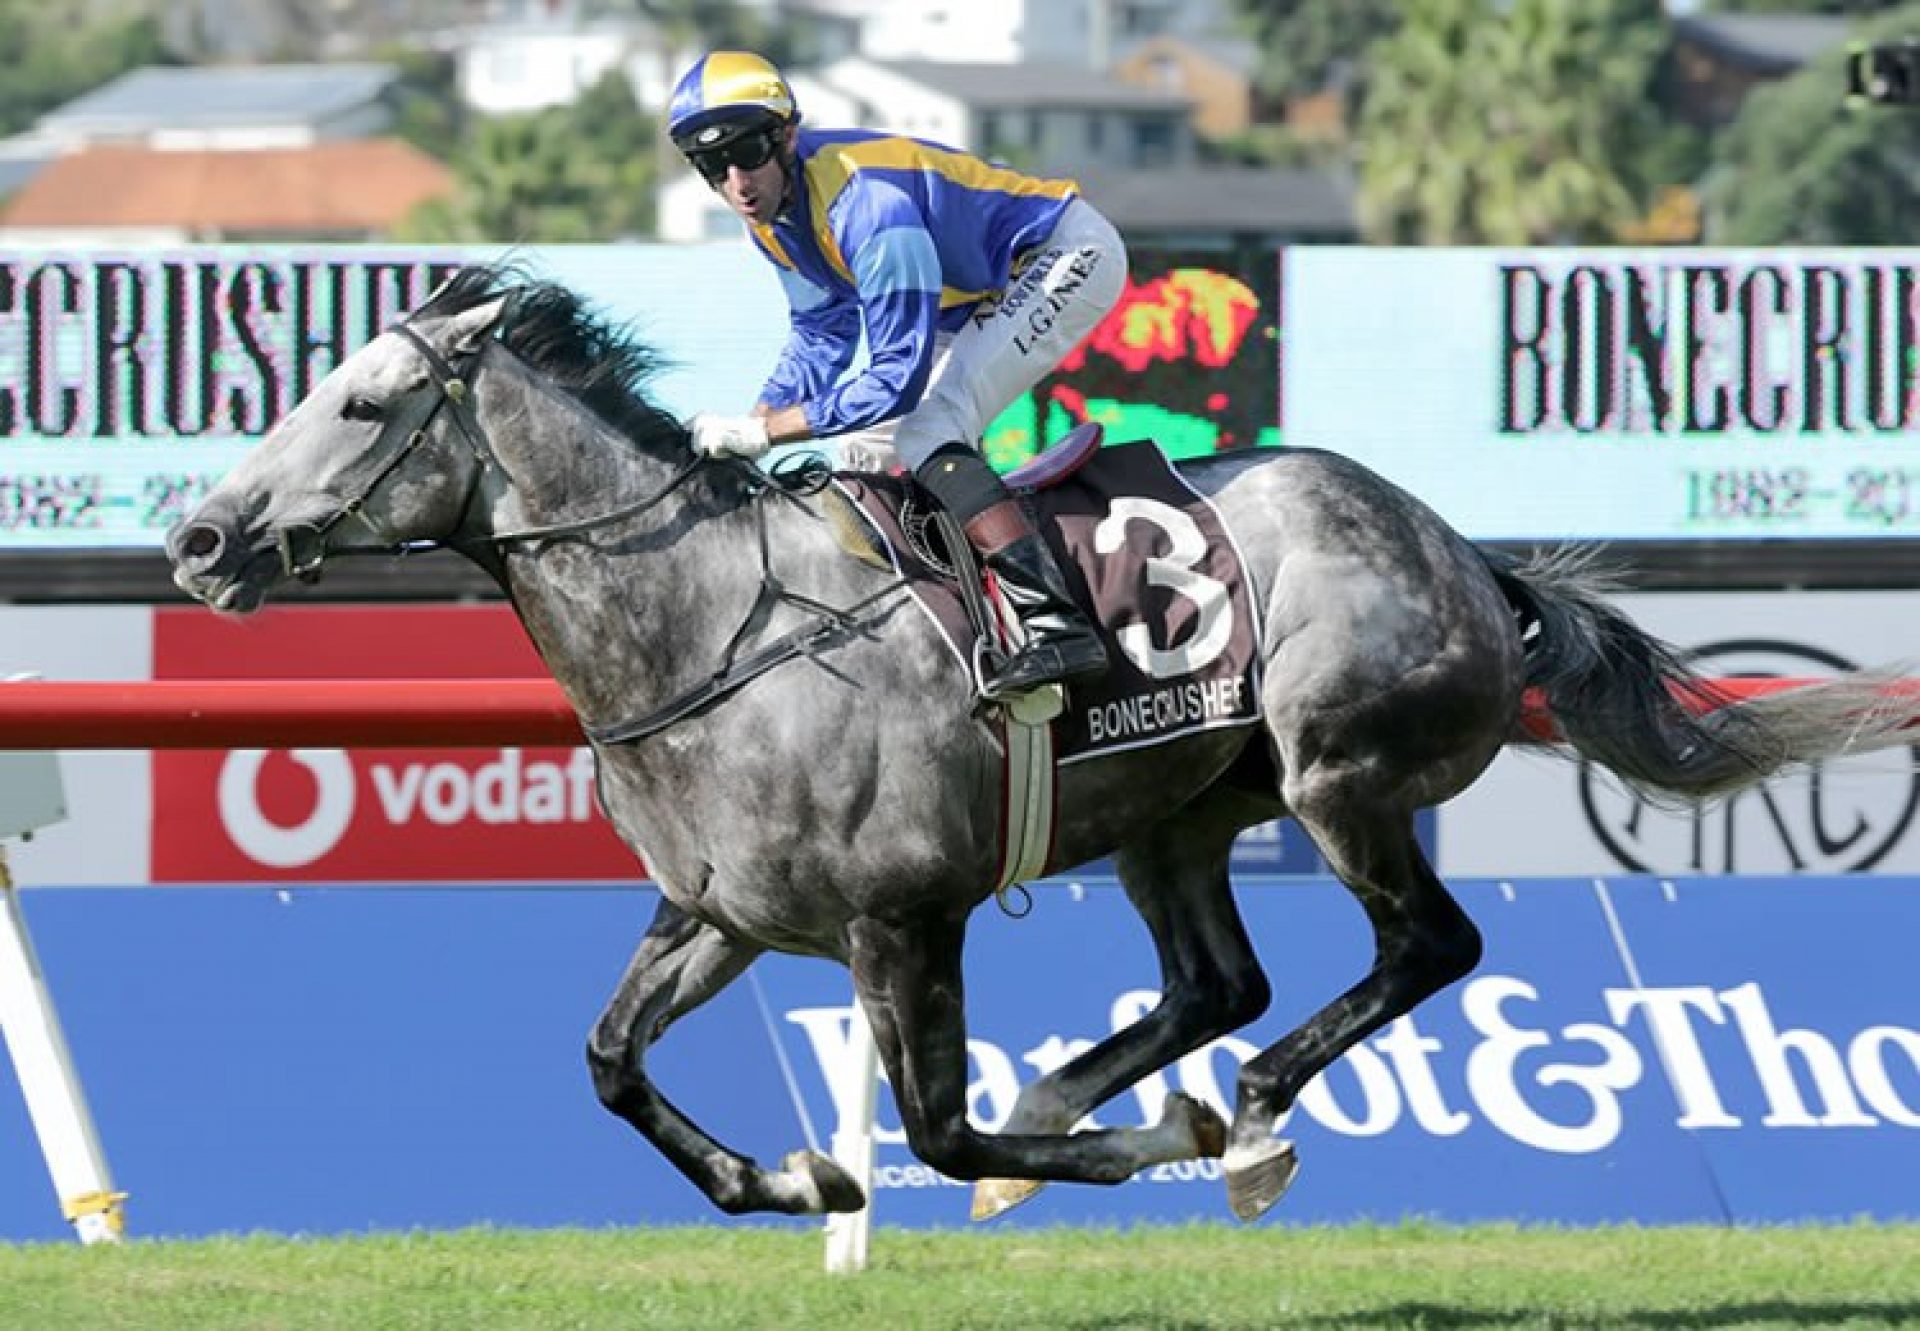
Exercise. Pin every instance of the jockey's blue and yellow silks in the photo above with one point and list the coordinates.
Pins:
(900, 237)
(724, 84)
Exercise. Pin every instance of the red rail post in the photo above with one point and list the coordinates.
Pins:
(385, 713)
(275, 713)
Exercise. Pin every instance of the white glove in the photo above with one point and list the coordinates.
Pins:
(721, 436)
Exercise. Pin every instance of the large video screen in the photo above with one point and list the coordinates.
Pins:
(1185, 358)
(1616, 394)
(130, 382)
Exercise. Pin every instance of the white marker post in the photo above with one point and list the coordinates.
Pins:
(847, 1235)
(31, 798)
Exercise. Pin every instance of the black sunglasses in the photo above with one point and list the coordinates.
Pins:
(749, 153)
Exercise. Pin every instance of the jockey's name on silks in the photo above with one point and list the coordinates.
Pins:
(898, 237)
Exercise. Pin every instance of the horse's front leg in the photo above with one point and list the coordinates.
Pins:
(681, 964)
(908, 976)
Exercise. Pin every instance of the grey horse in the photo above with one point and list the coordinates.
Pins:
(797, 759)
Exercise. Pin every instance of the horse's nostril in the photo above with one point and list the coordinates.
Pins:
(201, 544)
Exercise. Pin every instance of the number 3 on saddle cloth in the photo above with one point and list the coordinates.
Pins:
(1144, 553)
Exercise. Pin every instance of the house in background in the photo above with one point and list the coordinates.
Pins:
(1049, 119)
(22, 157)
(1208, 207)
(549, 55)
(345, 190)
(1086, 33)
(246, 152)
(1719, 58)
(1036, 116)
(225, 107)
(1216, 74)
(823, 31)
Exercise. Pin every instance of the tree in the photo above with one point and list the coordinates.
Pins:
(427, 108)
(569, 174)
(53, 58)
(1529, 122)
(1799, 167)
(1305, 45)
(1850, 8)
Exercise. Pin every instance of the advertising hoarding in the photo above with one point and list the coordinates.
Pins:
(371, 815)
(1616, 394)
(1532, 814)
(130, 381)
(1738, 1051)
(506, 814)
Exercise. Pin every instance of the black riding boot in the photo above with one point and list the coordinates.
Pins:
(1062, 646)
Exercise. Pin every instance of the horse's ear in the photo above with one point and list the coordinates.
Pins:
(467, 332)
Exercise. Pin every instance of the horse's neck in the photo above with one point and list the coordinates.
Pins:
(630, 614)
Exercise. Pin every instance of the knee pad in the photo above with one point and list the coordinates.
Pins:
(962, 481)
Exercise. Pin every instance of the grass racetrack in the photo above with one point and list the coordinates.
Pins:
(1405, 1276)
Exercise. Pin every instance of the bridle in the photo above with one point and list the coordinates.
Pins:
(304, 547)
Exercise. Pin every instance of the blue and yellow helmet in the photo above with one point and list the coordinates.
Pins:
(727, 90)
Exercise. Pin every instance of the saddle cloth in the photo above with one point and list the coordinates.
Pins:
(1149, 557)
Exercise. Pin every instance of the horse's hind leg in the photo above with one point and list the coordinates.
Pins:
(1210, 981)
(1423, 942)
(681, 964)
(908, 976)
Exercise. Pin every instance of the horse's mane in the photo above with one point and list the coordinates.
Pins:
(555, 331)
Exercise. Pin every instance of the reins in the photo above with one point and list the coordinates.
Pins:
(828, 626)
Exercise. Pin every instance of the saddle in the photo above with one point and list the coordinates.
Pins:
(1143, 552)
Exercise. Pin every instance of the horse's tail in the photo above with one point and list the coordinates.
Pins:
(1625, 699)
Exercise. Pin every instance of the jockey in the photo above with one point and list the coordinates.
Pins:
(970, 283)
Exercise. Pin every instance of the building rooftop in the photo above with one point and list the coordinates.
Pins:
(353, 186)
(212, 96)
(21, 158)
(1224, 200)
(1771, 42)
(991, 87)
(1235, 53)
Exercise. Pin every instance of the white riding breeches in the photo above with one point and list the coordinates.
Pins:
(1010, 341)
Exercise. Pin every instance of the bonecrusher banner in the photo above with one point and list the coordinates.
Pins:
(1566, 394)
(130, 382)
(132, 347)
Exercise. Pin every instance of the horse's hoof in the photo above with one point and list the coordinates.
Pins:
(1258, 1177)
(1208, 1128)
(828, 1188)
(997, 1196)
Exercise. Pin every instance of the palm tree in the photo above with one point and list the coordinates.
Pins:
(1508, 124)
(1423, 121)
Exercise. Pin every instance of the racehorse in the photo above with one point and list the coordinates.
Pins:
(832, 792)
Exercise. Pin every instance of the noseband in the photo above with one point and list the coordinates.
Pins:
(303, 547)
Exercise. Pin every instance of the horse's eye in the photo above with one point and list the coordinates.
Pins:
(361, 409)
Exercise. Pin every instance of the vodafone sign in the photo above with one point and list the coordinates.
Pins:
(372, 815)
